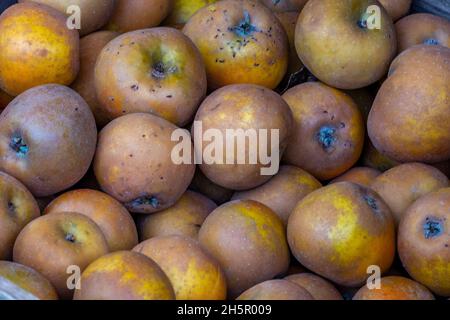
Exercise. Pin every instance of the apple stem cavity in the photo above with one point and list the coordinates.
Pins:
(362, 23)
(431, 42)
(144, 201)
(70, 237)
(327, 137)
(19, 146)
(432, 228)
(245, 27)
(160, 70)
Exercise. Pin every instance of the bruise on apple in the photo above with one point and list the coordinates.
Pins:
(241, 42)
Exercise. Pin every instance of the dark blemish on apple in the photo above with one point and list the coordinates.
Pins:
(342, 125)
(169, 96)
(11, 207)
(256, 64)
(19, 146)
(371, 202)
(70, 237)
(431, 42)
(131, 156)
(143, 136)
(144, 201)
(135, 87)
(432, 227)
(327, 137)
(244, 28)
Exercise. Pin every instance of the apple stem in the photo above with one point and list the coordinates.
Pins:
(146, 200)
(70, 237)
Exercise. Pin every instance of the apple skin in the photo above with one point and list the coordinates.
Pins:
(422, 28)
(49, 51)
(361, 175)
(193, 272)
(90, 48)
(157, 70)
(17, 209)
(276, 290)
(341, 221)
(183, 10)
(328, 133)
(240, 41)
(130, 15)
(333, 46)
(47, 139)
(284, 5)
(395, 288)
(94, 14)
(423, 241)
(109, 214)
(283, 191)
(402, 185)
(396, 8)
(124, 275)
(417, 129)
(28, 279)
(53, 242)
(289, 20)
(184, 218)
(318, 287)
(133, 163)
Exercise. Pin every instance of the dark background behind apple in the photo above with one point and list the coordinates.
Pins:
(438, 7)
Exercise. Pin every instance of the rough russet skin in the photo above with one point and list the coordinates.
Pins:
(424, 239)
(282, 192)
(193, 272)
(241, 41)
(157, 70)
(340, 230)
(337, 50)
(417, 129)
(289, 20)
(248, 240)
(28, 279)
(17, 209)
(124, 275)
(246, 107)
(402, 185)
(94, 13)
(395, 288)
(284, 5)
(52, 243)
(110, 215)
(49, 51)
(90, 48)
(183, 10)
(396, 8)
(328, 132)
(184, 218)
(422, 28)
(47, 139)
(276, 290)
(130, 15)
(133, 163)
(318, 287)
(361, 175)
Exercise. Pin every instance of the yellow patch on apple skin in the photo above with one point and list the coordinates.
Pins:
(143, 284)
(197, 280)
(269, 228)
(40, 54)
(433, 273)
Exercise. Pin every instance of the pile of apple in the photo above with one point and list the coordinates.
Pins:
(92, 205)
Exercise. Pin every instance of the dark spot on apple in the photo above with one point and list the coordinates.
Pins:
(326, 137)
(19, 146)
(70, 237)
(371, 202)
(244, 28)
(432, 227)
(144, 201)
(431, 42)
(11, 207)
(135, 87)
